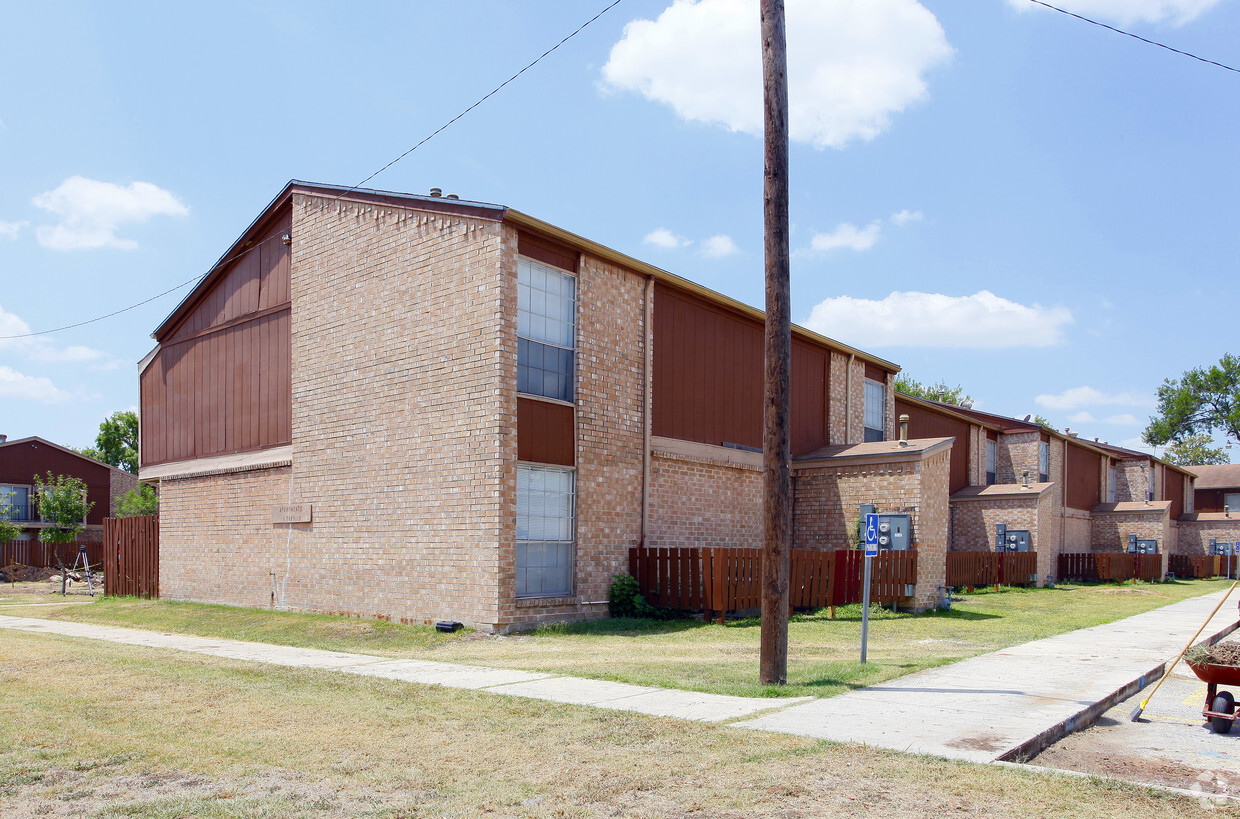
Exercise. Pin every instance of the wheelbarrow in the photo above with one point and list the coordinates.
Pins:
(1220, 707)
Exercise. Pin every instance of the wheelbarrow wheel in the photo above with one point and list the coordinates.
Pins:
(1224, 703)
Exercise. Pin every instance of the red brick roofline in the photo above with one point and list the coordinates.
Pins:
(45, 442)
(498, 213)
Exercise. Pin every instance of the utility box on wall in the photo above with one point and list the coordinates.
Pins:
(1220, 548)
(1142, 546)
(895, 530)
(1012, 540)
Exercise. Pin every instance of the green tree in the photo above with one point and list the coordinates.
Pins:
(62, 502)
(1042, 420)
(141, 501)
(1195, 450)
(1200, 402)
(8, 529)
(940, 392)
(117, 441)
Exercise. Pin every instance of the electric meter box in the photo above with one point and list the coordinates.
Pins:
(895, 532)
(1142, 546)
(1012, 540)
(1221, 548)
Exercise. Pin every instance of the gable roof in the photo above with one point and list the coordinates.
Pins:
(478, 210)
(1221, 476)
(65, 449)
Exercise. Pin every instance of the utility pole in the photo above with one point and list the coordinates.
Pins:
(776, 410)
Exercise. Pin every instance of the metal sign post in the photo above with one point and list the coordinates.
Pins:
(871, 551)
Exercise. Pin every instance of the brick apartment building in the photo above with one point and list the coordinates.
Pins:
(22, 460)
(423, 408)
(1071, 494)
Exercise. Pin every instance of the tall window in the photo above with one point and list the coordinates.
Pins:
(14, 502)
(544, 531)
(546, 330)
(990, 461)
(875, 411)
(1044, 462)
(1111, 480)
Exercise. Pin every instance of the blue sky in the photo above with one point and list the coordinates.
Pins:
(988, 193)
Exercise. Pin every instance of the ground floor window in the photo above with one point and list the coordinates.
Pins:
(545, 531)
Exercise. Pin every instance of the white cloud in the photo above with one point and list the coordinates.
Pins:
(1124, 419)
(1090, 397)
(1137, 444)
(664, 238)
(1127, 12)
(905, 216)
(716, 247)
(91, 212)
(852, 64)
(981, 320)
(41, 349)
(9, 230)
(1082, 417)
(847, 235)
(28, 387)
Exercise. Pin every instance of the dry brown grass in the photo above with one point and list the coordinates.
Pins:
(113, 730)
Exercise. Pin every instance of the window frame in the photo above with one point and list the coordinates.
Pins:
(992, 460)
(569, 545)
(1044, 460)
(874, 434)
(28, 505)
(530, 342)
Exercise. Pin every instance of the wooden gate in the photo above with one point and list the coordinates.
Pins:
(131, 556)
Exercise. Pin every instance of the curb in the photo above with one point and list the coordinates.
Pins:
(1088, 716)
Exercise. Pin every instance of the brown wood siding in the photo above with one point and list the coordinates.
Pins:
(547, 252)
(1211, 500)
(20, 462)
(926, 423)
(227, 391)
(544, 432)
(875, 373)
(708, 377)
(1173, 490)
(1084, 478)
(257, 281)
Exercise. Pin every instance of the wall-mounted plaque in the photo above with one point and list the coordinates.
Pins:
(291, 513)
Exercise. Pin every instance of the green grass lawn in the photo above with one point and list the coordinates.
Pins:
(823, 653)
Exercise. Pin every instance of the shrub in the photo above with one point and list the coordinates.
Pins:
(624, 599)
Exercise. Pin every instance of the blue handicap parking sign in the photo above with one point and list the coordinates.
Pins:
(871, 535)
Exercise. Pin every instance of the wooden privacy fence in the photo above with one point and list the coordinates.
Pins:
(1196, 566)
(131, 556)
(717, 580)
(43, 555)
(1110, 566)
(971, 569)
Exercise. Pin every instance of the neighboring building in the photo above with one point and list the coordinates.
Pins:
(422, 408)
(23, 459)
(1071, 494)
(1217, 488)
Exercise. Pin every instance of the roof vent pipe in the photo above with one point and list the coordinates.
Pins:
(436, 192)
(3, 438)
(903, 430)
(452, 196)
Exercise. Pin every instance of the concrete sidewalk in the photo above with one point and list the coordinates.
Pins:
(1000, 706)
(1010, 704)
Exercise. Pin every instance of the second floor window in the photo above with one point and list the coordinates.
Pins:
(1044, 462)
(875, 411)
(990, 461)
(546, 330)
(15, 502)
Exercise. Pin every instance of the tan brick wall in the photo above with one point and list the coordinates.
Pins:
(1078, 531)
(975, 520)
(1132, 480)
(932, 522)
(1110, 530)
(699, 502)
(401, 429)
(1017, 452)
(611, 335)
(120, 483)
(217, 541)
(838, 392)
(1193, 536)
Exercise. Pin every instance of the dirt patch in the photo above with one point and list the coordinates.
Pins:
(1221, 654)
(17, 581)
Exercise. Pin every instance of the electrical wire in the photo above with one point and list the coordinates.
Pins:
(340, 195)
(1133, 36)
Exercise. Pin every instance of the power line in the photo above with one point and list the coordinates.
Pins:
(340, 195)
(1133, 36)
